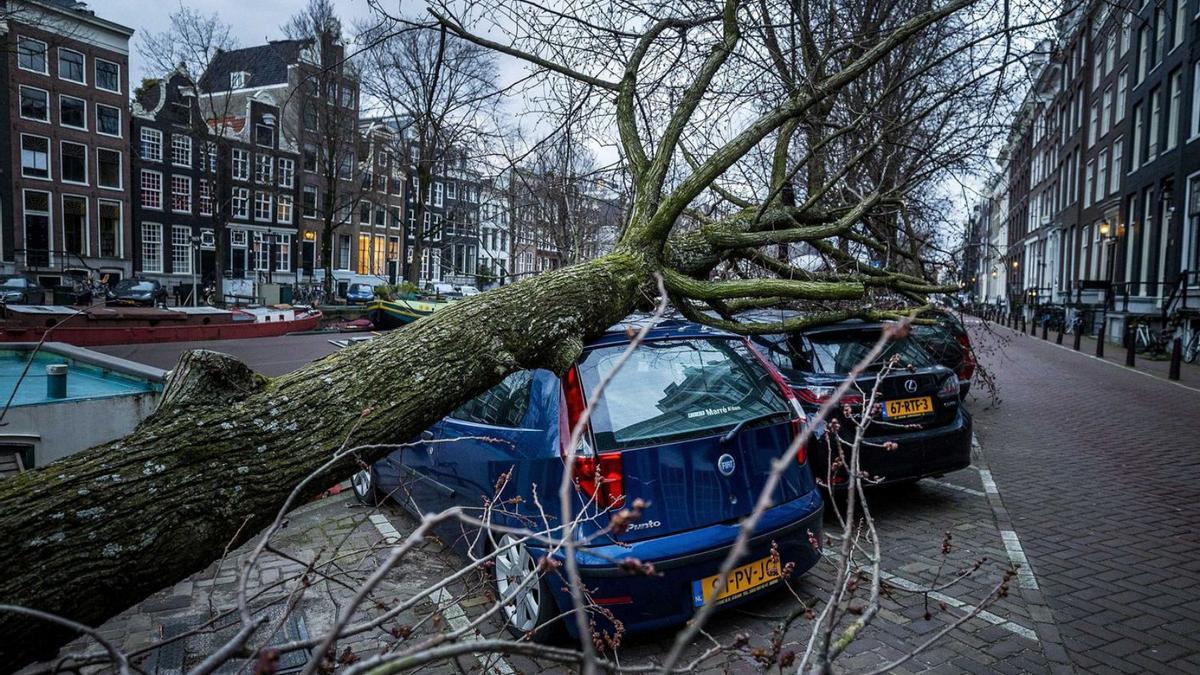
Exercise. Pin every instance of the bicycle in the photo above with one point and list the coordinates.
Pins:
(1191, 348)
(1154, 343)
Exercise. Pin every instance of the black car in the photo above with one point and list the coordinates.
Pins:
(20, 289)
(949, 344)
(140, 292)
(921, 429)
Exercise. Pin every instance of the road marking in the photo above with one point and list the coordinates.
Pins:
(989, 485)
(447, 603)
(952, 486)
(994, 619)
(1016, 554)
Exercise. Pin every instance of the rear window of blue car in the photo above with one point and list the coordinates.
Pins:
(674, 389)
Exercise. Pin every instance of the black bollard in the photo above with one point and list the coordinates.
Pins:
(1176, 359)
(1045, 330)
(1078, 336)
(1023, 326)
(1058, 340)
(1100, 344)
(1129, 351)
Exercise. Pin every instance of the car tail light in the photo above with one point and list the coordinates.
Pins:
(607, 486)
(817, 395)
(967, 367)
(797, 422)
(949, 387)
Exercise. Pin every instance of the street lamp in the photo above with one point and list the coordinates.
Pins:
(195, 265)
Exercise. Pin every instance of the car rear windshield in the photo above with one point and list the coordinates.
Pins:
(838, 353)
(674, 389)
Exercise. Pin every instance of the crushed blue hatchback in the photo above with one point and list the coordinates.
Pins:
(690, 424)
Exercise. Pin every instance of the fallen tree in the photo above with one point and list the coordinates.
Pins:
(88, 536)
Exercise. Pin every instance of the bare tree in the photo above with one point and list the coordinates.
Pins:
(673, 76)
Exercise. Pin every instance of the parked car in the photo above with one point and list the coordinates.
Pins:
(21, 289)
(920, 407)
(443, 289)
(468, 291)
(359, 294)
(691, 423)
(138, 292)
(949, 343)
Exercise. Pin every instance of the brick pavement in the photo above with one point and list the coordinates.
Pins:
(1098, 468)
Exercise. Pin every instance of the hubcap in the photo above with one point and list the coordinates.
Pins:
(514, 565)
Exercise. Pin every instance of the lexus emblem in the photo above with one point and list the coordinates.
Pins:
(910, 386)
(726, 464)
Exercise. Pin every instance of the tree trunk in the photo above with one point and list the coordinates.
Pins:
(88, 536)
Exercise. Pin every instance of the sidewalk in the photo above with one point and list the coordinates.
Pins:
(1189, 373)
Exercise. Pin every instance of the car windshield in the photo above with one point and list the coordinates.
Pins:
(673, 389)
(360, 288)
(838, 353)
(15, 282)
(135, 285)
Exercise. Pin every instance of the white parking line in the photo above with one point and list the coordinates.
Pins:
(989, 485)
(1016, 554)
(996, 620)
(451, 610)
(952, 486)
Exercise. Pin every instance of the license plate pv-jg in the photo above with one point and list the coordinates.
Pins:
(741, 581)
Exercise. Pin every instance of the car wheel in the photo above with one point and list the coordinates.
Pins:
(365, 488)
(531, 608)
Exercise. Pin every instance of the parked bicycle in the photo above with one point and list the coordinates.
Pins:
(1149, 341)
(1191, 346)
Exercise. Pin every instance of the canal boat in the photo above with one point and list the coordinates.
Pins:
(388, 314)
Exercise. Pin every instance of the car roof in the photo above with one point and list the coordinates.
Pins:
(777, 315)
(664, 328)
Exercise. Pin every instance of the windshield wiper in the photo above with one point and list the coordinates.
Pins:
(737, 428)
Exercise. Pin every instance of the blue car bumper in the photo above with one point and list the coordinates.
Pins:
(669, 598)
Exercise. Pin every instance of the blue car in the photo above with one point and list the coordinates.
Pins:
(359, 294)
(690, 424)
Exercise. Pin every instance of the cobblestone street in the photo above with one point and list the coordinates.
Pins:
(1084, 477)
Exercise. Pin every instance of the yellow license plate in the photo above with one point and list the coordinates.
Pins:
(741, 581)
(908, 407)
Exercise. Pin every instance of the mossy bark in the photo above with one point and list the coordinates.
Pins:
(88, 536)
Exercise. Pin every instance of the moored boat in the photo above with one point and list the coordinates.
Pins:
(107, 325)
(388, 314)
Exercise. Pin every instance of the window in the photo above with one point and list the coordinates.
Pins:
(1126, 31)
(1174, 96)
(1136, 140)
(1152, 132)
(152, 252)
(151, 146)
(1110, 52)
(1097, 68)
(310, 157)
(264, 135)
(35, 104)
(237, 80)
(262, 206)
(348, 96)
(264, 169)
(287, 172)
(70, 65)
(1181, 22)
(38, 236)
(438, 194)
(181, 249)
(310, 118)
(108, 120)
(73, 163)
(1143, 66)
(364, 254)
(210, 149)
(108, 168)
(451, 190)
(364, 213)
(206, 199)
(309, 201)
(283, 209)
(1102, 176)
(343, 251)
(1089, 181)
(35, 156)
(1196, 100)
(181, 150)
(108, 75)
(1118, 147)
(181, 194)
(1160, 32)
(151, 189)
(1122, 90)
(1093, 129)
(283, 253)
(241, 164)
(110, 228)
(72, 112)
(1106, 117)
(75, 225)
(31, 55)
(240, 206)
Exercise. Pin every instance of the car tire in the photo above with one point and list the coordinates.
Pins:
(534, 611)
(366, 488)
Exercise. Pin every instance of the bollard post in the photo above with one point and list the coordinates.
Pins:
(1100, 344)
(1129, 351)
(1078, 336)
(1023, 326)
(1045, 329)
(1058, 340)
(1176, 359)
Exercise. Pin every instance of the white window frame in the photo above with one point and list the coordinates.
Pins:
(439, 194)
(287, 172)
(1118, 150)
(85, 115)
(183, 180)
(82, 66)
(155, 241)
(241, 164)
(204, 198)
(87, 221)
(261, 207)
(33, 119)
(237, 79)
(142, 189)
(1174, 108)
(120, 120)
(264, 169)
(239, 195)
(285, 206)
(87, 177)
(1195, 126)
(179, 242)
(181, 146)
(120, 252)
(120, 186)
(283, 252)
(45, 55)
(316, 197)
(96, 61)
(49, 158)
(155, 139)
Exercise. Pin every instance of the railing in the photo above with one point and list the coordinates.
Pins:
(1185, 296)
